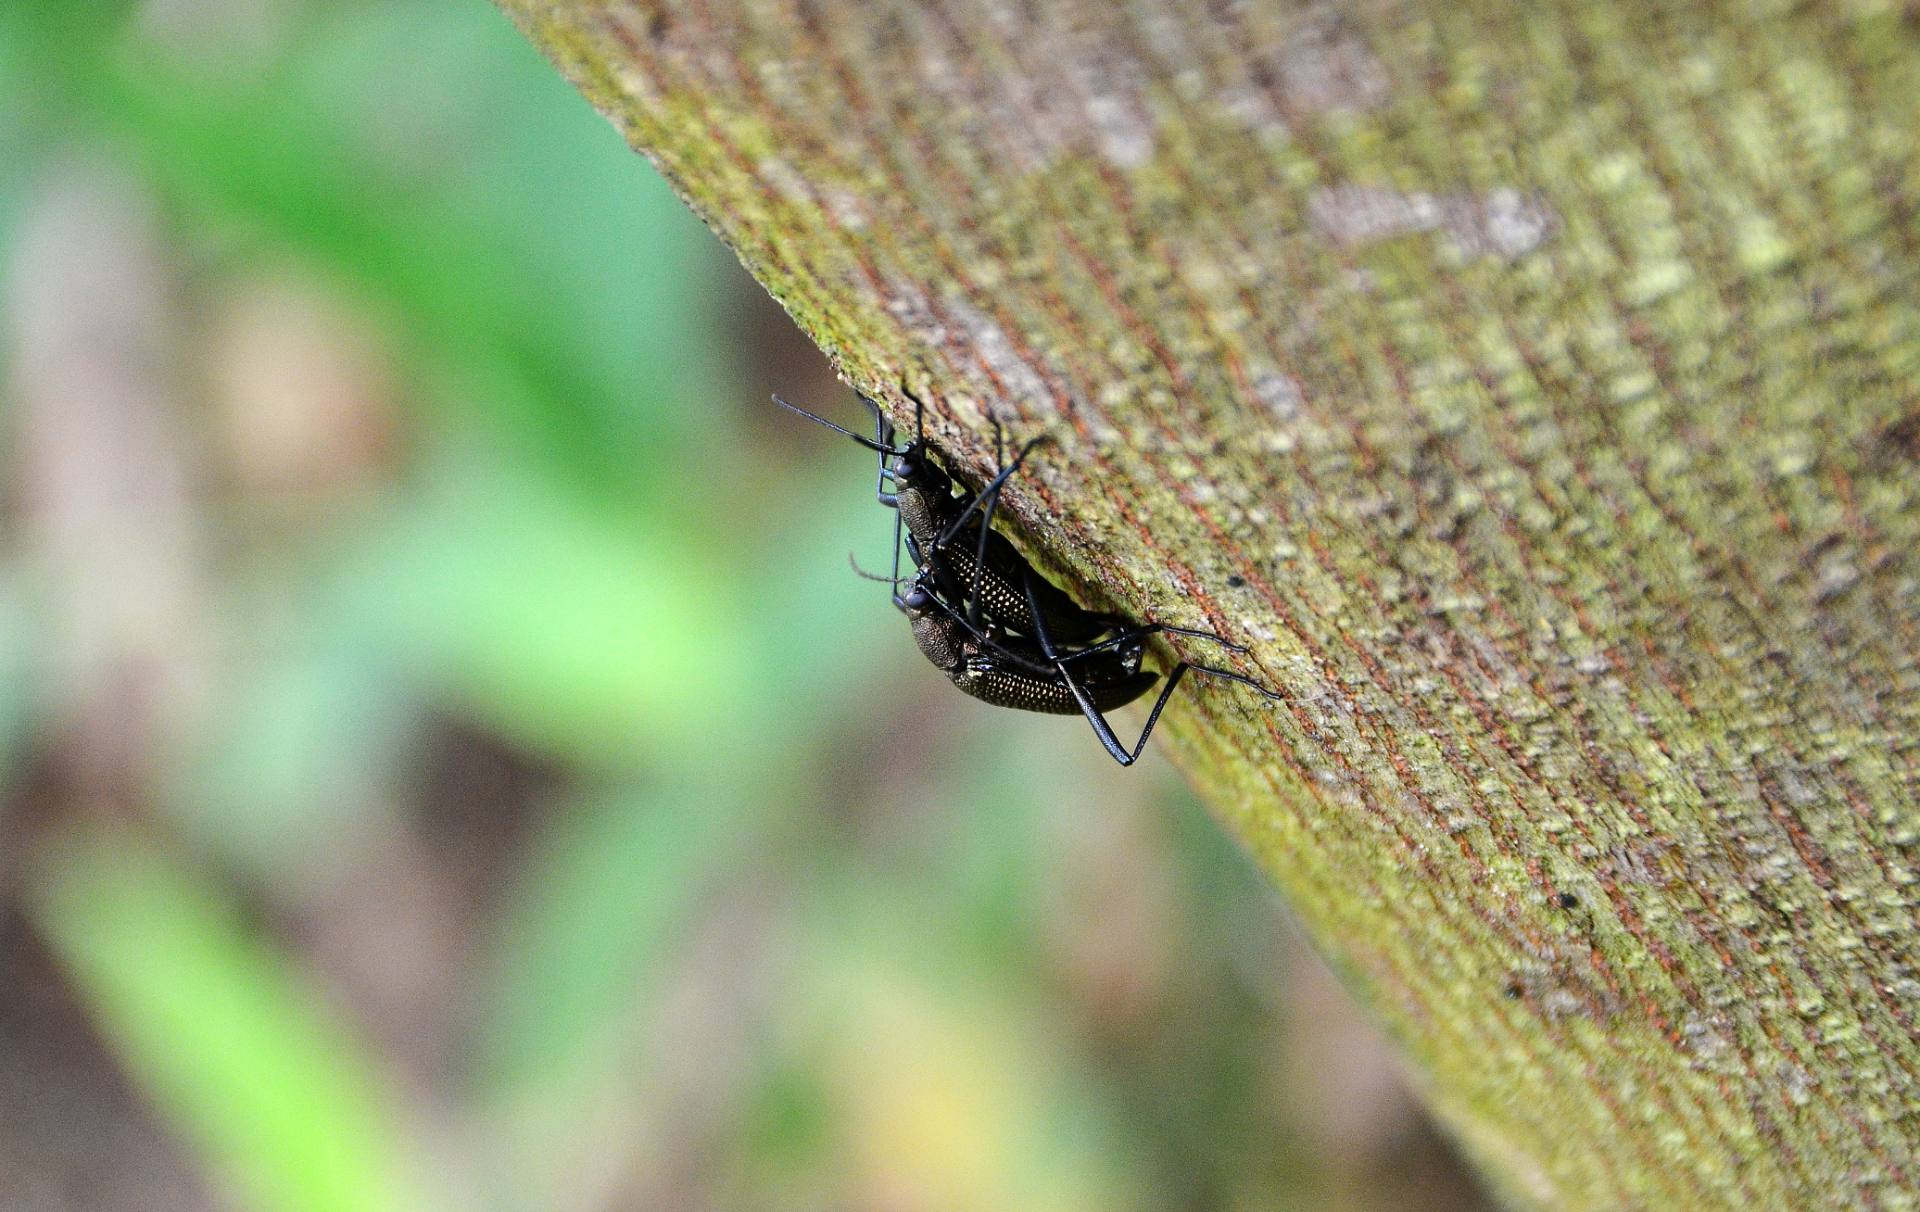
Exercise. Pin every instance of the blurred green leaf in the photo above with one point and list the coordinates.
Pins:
(590, 946)
(562, 624)
(541, 271)
(278, 1100)
(21, 686)
(603, 908)
(297, 745)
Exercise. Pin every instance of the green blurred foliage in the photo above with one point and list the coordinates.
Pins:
(535, 812)
(279, 1100)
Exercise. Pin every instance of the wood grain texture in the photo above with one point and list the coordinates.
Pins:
(1535, 387)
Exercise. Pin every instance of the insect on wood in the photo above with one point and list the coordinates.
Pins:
(986, 618)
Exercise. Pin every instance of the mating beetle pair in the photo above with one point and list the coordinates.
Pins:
(980, 612)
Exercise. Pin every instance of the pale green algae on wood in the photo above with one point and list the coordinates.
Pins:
(1536, 388)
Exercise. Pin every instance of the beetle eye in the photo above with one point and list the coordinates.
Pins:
(916, 598)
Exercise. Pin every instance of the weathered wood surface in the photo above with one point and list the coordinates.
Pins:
(1536, 387)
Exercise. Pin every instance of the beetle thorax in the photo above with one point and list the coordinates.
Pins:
(938, 639)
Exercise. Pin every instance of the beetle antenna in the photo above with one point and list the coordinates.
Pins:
(864, 440)
(884, 579)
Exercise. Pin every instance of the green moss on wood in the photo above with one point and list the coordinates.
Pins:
(1536, 388)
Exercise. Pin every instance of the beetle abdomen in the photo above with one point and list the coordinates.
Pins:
(1047, 695)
